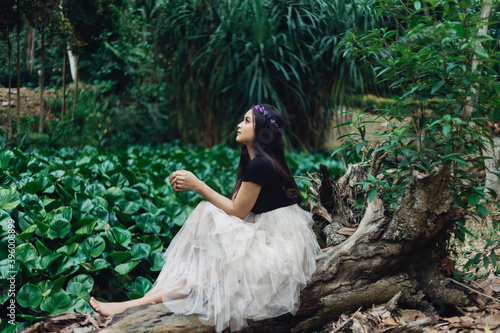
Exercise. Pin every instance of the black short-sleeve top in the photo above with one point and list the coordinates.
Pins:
(271, 196)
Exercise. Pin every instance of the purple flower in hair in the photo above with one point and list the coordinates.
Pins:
(267, 115)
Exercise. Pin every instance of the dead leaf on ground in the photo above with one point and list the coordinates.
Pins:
(493, 321)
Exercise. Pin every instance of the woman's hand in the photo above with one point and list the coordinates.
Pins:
(183, 180)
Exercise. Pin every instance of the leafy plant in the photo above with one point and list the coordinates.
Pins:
(97, 222)
(444, 76)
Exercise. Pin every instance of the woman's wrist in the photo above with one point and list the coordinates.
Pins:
(198, 187)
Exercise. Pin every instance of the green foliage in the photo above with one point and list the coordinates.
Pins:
(196, 65)
(96, 222)
(219, 57)
(444, 75)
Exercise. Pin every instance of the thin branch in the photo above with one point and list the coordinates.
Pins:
(474, 290)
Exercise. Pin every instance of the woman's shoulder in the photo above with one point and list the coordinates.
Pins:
(258, 162)
(258, 168)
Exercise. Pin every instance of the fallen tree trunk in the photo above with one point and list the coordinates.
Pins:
(388, 254)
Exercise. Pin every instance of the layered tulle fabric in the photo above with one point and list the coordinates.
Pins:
(232, 270)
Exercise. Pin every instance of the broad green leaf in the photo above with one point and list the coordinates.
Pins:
(114, 194)
(87, 229)
(119, 236)
(33, 187)
(59, 228)
(43, 263)
(68, 249)
(482, 210)
(120, 256)
(142, 285)
(93, 246)
(42, 227)
(26, 253)
(78, 304)
(480, 52)
(129, 207)
(473, 199)
(125, 268)
(118, 180)
(28, 233)
(148, 223)
(86, 206)
(101, 214)
(5, 157)
(56, 303)
(5, 221)
(78, 289)
(74, 182)
(122, 217)
(149, 207)
(95, 190)
(9, 198)
(100, 264)
(140, 250)
(42, 249)
(154, 241)
(132, 194)
(29, 296)
(84, 279)
(157, 261)
(64, 264)
(105, 168)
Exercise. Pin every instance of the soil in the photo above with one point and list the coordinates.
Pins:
(29, 101)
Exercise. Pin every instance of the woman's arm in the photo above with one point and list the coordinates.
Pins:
(240, 206)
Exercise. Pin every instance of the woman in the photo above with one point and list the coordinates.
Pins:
(242, 258)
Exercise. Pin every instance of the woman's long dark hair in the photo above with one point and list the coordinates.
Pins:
(268, 144)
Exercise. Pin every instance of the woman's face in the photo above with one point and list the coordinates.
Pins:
(246, 130)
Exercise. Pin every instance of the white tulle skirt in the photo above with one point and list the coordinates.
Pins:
(232, 270)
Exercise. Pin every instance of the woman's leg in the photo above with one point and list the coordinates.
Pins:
(111, 308)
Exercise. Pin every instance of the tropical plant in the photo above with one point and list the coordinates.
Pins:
(87, 221)
(438, 65)
(223, 56)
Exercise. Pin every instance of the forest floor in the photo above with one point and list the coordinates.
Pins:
(29, 101)
(482, 283)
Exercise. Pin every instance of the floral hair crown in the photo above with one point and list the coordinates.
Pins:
(268, 116)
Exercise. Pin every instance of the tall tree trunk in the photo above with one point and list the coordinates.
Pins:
(493, 164)
(73, 64)
(492, 149)
(30, 47)
(483, 29)
(9, 113)
(77, 79)
(42, 84)
(18, 41)
(63, 108)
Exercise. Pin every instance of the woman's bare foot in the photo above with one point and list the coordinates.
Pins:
(112, 308)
